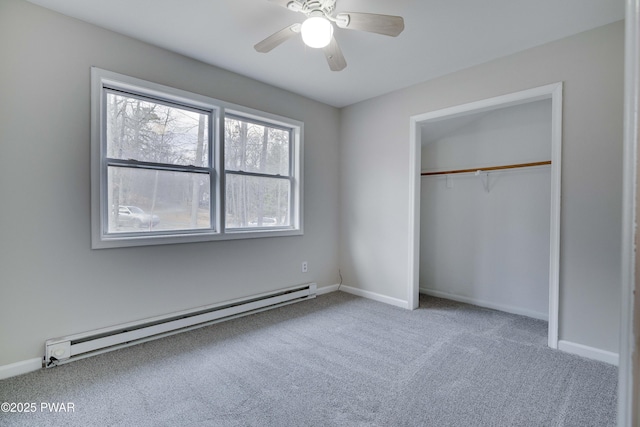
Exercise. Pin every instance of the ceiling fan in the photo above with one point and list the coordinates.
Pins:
(317, 29)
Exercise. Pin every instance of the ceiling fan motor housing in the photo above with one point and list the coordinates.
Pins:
(325, 6)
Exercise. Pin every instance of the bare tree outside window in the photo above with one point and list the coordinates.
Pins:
(258, 174)
(153, 148)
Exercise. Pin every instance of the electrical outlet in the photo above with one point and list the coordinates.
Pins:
(305, 267)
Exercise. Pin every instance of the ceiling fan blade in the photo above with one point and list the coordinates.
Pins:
(334, 56)
(387, 25)
(276, 39)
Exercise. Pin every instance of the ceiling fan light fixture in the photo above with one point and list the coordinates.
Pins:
(317, 32)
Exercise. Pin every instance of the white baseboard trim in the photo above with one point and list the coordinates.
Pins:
(375, 296)
(486, 304)
(326, 289)
(589, 352)
(19, 368)
(361, 293)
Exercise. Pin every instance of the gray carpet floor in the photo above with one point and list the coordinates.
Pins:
(337, 360)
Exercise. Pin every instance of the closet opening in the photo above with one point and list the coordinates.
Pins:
(485, 204)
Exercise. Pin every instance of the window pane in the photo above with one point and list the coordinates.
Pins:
(151, 132)
(257, 202)
(252, 147)
(143, 200)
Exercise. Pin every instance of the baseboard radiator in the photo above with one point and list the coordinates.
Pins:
(78, 346)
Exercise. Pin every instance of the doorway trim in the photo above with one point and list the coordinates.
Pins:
(629, 361)
(551, 91)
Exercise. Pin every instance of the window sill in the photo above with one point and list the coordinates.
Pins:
(106, 242)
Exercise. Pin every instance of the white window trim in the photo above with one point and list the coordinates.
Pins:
(101, 240)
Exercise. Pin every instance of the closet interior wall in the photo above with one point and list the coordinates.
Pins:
(485, 236)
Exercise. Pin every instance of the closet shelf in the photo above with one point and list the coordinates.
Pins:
(488, 169)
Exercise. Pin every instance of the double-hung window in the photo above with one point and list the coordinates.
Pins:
(170, 166)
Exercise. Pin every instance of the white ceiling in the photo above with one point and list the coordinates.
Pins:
(440, 37)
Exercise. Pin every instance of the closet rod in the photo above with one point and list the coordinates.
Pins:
(492, 168)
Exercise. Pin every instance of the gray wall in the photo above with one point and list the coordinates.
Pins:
(374, 164)
(52, 283)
